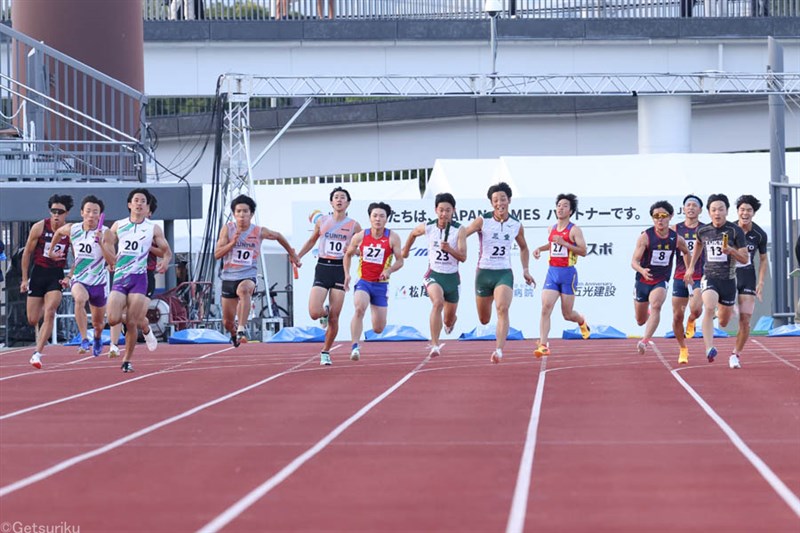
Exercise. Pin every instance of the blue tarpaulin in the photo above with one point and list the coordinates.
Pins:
(105, 336)
(298, 334)
(395, 333)
(199, 336)
(764, 324)
(698, 334)
(598, 332)
(789, 330)
(487, 333)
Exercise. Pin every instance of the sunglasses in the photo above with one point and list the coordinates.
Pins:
(58, 211)
(660, 216)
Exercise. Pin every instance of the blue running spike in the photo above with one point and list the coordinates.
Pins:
(711, 354)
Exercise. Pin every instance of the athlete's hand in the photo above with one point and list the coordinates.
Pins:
(687, 278)
(161, 267)
(528, 278)
(558, 239)
(385, 275)
(646, 274)
(346, 282)
(536, 253)
(760, 291)
(23, 286)
(64, 283)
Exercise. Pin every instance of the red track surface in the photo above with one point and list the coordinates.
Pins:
(435, 445)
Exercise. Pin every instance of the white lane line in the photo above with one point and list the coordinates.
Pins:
(259, 492)
(519, 504)
(761, 467)
(68, 463)
(107, 387)
(776, 356)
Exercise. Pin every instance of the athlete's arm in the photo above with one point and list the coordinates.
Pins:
(475, 225)
(30, 246)
(156, 251)
(762, 273)
(416, 232)
(351, 251)
(683, 247)
(524, 256)
(277, 236)
(163, 245)
(397, 264)
(309, 244)
(224, 245)
(638, 253)
(579, 248)
(460, 253)
(109, 244)
(61, 232)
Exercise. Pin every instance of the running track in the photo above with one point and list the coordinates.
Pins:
(261, 438)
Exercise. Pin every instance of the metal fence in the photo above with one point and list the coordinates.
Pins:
(155, 10)
(786, 265)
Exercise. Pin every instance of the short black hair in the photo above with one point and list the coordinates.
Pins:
(140, 190)
(243, 199)
(340, 189)
(153, 205)
(750, 200)
(571, 198)
(444, 197)
(63, 199)
(92, 199)
(663, 204)
(718, 198)
(499, 187)
(380, 205)
(693, 197)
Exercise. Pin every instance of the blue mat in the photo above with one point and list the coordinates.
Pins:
(487, 333)
(598, 332)
(395, 333)
(789, 330)
(298, 334)
(199, 336)
(698, 334)
(764, 324)
(105, 336)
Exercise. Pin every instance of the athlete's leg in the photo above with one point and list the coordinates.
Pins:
(378, 314)
(724, 314)
(678, 310)
(245, 293)
(656, 300)
(137, 307)
(549, 298)
(484, 305)
(361, 302)
(81, 296)
(98, 319)
(747, 303)
(696, 303)
(34, 309)
(316, 302)
(335, 303)
(502, 302)
(52, 299)
(710, 301)
(436, 294)
(568, 311)
(229, 306)
(450, 314)
(641, 312)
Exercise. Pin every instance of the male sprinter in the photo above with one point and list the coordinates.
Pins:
(682, 294)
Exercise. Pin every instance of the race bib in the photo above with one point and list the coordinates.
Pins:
(373, 254)
(241, 256)
(58, 249)
(84, 249)
(128, 246)
(558, 250)
(714, 252)
(660, 257)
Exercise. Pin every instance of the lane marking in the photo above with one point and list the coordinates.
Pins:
(106, 387)
(761, 467)
(232, 512)
(519, 504)
(776, 356)
(68, 463)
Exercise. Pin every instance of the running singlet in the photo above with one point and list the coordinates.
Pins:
(40, 256)
(376, 256)
(134, 245)
(756, 240)
(690, 236)
(658, 256)
(335, 237)
(242, 261)
(496, 241)
(718, 265)
(560, 256)
(90, 267)
(438, 260)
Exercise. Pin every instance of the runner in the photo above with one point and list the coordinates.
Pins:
(47, 278)
(494, 280)
(565, 243)
(683, 295)
(747, 287)
(723, 244)
(380, 255)
(89, 276)
(239, 246)
(652, 261)
(334, 232)
(447, 246)
(135, 235)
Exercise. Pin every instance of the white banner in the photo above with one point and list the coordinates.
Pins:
(606, 280)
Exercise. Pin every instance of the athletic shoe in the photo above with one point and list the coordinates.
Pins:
(711, 354)
(436, 351)
(690, 329)
(497, 356)
(113, 351)
(641, 346)
(36, 360)
(541, 351)
(241, 337)
(97, 347)
(449, 329)
(127, 367)
(355, 355)
(683, 357)
(324, 320)
(733, 361)
(585, 330)
(235, 340)
(150, 340)
(85, 345)
(325, 359)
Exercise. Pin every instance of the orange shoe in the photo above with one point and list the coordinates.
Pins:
(683, 356)
(541, 351)
(585, 330)
(690, 329)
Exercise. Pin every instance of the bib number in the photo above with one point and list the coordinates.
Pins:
(242, 257)
(660, 257)
(558, 250)
(714, 252)
(129, 247)
(373, 254)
